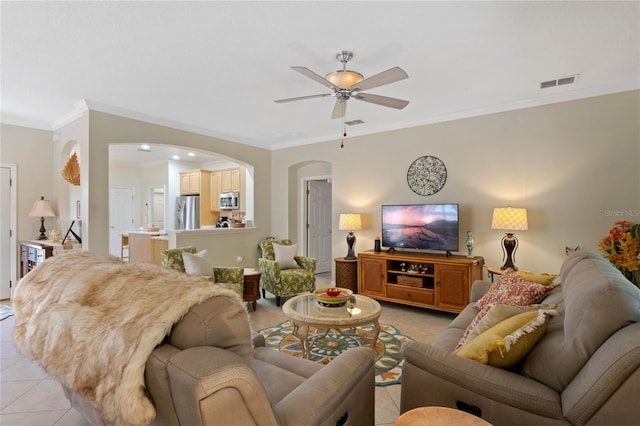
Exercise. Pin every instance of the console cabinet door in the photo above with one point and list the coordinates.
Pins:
(371, 277)
(452, 286)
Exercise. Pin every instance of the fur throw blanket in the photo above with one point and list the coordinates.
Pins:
(92, 321)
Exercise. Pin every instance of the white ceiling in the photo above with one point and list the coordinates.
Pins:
(217, 67)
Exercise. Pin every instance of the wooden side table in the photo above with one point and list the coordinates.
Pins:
(251, 291)
(494, 270)
(347, 273)
(439, 416)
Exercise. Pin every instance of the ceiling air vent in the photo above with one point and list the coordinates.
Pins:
(559, 82)
(353, 122)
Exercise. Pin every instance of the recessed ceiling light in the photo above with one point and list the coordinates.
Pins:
(176, 157)
(145, 147)
(191, 154)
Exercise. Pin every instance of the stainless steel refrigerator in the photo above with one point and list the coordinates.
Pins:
(188, 212)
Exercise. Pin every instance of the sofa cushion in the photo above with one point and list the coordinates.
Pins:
(512, 289)
(598, 301)
(284, 256)
(493, 315)
(508, 342)
(218, 321)
(197, 264)
(544, 279)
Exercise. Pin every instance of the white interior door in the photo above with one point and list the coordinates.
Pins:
(319, 223)
(7, 256)
(157, 207)
(121, 218)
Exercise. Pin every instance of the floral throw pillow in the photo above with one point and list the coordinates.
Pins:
(512, 289)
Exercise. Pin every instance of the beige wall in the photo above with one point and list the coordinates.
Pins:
(572, 165)
(31, 151)
(105, 129)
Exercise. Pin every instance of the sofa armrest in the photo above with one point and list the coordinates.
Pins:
(306, 263)
(478, 289)
(486, 381)
(605, 372)
(229, 274)
(210, 385)
(345, 385)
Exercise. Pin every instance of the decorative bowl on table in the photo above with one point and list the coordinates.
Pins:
(333, 296)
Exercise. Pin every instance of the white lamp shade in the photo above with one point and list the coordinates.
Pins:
(42, 208)
(509, 219)
(350, 222)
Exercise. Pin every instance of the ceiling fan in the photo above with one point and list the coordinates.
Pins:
(348, 84)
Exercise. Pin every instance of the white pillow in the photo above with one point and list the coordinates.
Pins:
(284, 256)
(197, 264)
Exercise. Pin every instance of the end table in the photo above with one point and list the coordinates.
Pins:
(347, 273)
(251, 291)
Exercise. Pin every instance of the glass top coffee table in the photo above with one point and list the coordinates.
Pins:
(305, 311)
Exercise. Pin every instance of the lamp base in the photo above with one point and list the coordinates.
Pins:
(43, 235)
(509, 246)
(351, 239)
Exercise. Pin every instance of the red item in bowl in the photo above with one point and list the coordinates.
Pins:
(333, 291)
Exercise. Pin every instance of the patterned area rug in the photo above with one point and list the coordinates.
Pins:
(388, 362)
(5, 312)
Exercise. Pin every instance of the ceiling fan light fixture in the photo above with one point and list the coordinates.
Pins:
(344, 79)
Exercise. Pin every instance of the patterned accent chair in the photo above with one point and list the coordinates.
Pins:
(284, 282)
(231, 278)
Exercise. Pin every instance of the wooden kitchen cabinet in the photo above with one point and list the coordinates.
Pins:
(230, 180)
(198, 182)
(216, 185)
(419, 279)
(190, 182)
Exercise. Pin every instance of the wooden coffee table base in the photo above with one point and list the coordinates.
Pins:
(439, 416)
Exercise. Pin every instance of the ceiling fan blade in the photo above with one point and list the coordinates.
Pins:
(300, 98)
(385, 77)
(382, 100)
(339, 109)
(313, 76)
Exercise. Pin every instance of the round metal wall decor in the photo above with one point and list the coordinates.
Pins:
(427, 175)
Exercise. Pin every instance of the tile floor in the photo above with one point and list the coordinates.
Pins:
(29, 397)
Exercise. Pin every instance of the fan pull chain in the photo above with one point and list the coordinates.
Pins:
(344, 133)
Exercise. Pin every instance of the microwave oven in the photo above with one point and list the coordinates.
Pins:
(229, 201)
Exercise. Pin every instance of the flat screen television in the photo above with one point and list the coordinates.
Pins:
(420, 226)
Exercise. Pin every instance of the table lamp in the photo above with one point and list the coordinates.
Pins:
(42, 209)
(509, 219)
(350, 222)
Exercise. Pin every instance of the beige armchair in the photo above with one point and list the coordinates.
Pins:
(165, 348)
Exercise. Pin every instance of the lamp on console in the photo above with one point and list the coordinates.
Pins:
(350, 222)
(509, 219)
(42, 209)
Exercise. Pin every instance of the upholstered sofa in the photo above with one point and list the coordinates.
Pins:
(281, 279)
(137, 344)
(584, 370)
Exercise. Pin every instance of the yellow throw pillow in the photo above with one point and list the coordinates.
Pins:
(507, 343)
(542, 279)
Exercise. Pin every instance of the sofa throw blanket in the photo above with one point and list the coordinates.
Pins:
(92, 321)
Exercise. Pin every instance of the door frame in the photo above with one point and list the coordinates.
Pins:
(303, 210)
(13, 211)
